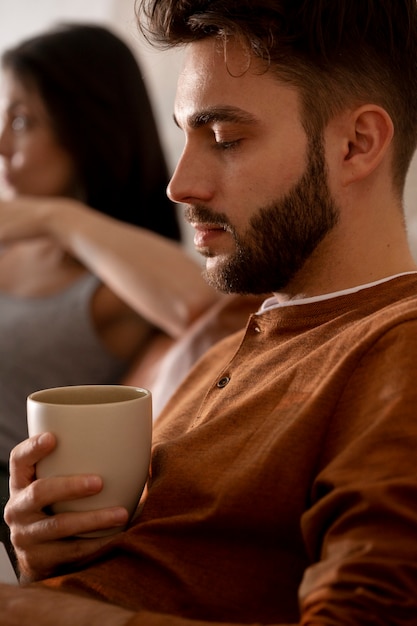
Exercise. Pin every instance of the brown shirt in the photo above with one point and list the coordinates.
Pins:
(284, 476)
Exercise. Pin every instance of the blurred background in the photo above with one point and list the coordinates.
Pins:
(21, 18)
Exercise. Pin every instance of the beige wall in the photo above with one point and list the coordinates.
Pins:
(19, 18)
(410, 202)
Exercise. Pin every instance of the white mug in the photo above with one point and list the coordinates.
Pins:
(100, 429)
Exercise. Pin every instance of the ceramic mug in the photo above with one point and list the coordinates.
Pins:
(100, 429)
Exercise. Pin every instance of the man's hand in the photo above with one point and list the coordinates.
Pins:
(43, 542)
(27, 606)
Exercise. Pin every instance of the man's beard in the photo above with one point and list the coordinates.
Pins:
(280, 237)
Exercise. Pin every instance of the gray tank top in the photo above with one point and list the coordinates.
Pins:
(47, 342)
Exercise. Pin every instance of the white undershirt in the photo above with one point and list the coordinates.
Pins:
(272, 303)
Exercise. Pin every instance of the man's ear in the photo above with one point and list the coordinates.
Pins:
(369, 134)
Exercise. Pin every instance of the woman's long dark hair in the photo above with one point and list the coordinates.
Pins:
(100, 111)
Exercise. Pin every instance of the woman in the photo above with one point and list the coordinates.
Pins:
(83, 281)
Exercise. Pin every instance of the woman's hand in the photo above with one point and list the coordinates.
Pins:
(156, 277)
(25, 218)
(45, 543)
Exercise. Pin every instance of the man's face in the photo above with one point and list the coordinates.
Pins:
(254, 185)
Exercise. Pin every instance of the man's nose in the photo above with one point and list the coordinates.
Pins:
(192, 180)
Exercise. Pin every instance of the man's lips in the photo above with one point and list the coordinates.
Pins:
(206, 233)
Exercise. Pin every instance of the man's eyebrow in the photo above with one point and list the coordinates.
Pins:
(218, 114)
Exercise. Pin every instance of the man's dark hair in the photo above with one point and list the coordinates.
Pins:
(339, 53)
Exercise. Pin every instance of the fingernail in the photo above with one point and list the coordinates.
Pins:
(93, 483)
(120, 516)
(44, 439)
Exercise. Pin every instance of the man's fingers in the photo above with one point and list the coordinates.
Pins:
(31, 501)
(65, 525)
(24, 457)
(40, 548)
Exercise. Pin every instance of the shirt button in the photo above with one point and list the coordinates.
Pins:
(223, 382)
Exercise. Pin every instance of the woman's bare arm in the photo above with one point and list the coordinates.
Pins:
(156, 277)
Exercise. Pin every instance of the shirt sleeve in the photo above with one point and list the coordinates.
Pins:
(361, 527)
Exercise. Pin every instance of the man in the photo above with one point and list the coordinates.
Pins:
(283, 487)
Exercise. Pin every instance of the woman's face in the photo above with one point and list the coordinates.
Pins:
(34, 163)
